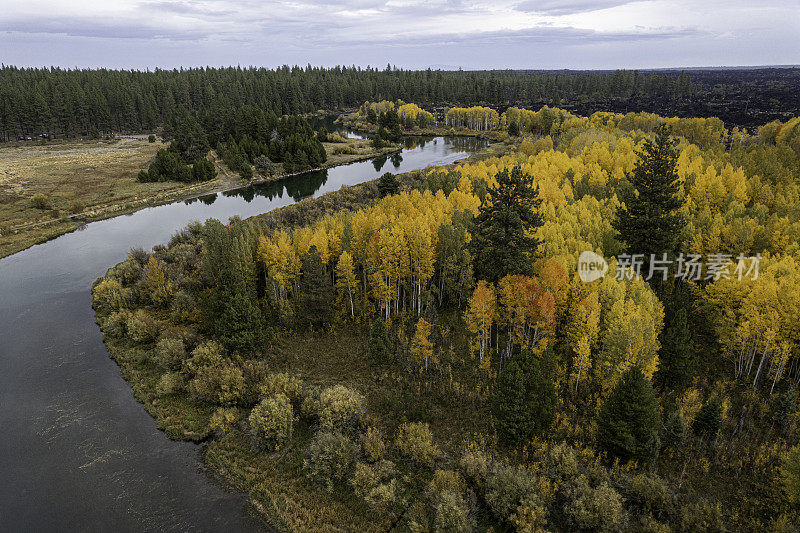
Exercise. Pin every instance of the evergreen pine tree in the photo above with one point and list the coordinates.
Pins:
(784, 405)
(674, 430)
(316, 290)
(388, 184)
(649, 221)
(230, 308)
(513, 128)
(628, 422)
(708, 420)
(676, 363)
(503, 241)
(380, 347)
(524, 399)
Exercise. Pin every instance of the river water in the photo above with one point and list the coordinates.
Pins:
(77, 452)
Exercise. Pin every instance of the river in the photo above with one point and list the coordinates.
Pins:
(77, 452)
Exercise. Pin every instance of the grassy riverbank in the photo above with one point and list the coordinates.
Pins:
(48, 189)
(276, 482)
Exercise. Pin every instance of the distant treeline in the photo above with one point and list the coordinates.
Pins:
(61, 102)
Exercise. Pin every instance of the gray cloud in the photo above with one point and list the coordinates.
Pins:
(568, 7)
(564, 36)
(108, 29)
(197, 9)
(467, 33)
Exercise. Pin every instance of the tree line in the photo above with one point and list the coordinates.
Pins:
(83, 102)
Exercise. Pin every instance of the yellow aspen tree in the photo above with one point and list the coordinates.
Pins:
(584, 326)
(511, 311)
(394, 260)
(421, 345)
(480, 316)
(160, 288)
(346, 279)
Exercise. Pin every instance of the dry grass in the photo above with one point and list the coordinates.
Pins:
(76, 178)
(353, 150)
(90, 180)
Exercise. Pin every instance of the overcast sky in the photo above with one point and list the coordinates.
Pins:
(546, 34)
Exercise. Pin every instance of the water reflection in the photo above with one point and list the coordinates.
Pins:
(81, 453)
(379, 161)
(396, 159)
(328, 122)
(417, 152)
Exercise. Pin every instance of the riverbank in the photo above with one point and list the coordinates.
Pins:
(276, 484)
(85, 181)
(350, 121)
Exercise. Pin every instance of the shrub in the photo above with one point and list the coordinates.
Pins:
(368, 476)
(108, 294)
(340, 408)
(170, 383)
(170, 352)
(223, 384)
(141, 326)
(365, 478)
(452, 514)
(790, 474)
(445, 481)
(116, 323)
(382, 497)
(597, 509)
(183, 306)
(530, 516)
(271, 423)
(561, 461)
(127, 272)
(336, 138)
(702, 516)
(651, 492)
(415, 441)
(506, 486)
(151, 138)
(282, 383)
(255, 373)
(372, 444)
(475, 466)
(347, 150)
(264, 165)
(330, 458)
(310, 405)
(207, 354)
(223, 420)
(40, 201)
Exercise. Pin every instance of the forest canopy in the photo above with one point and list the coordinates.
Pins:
(486, 383)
